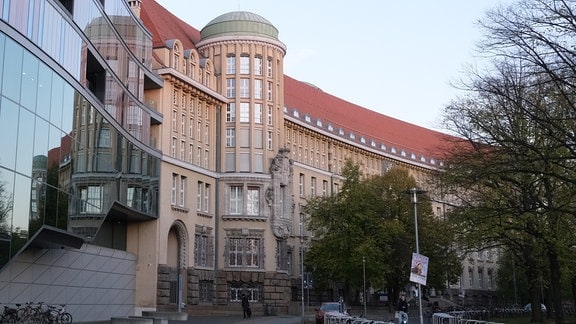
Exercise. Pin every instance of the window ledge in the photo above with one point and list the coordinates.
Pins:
(180, 209)
(256, 218)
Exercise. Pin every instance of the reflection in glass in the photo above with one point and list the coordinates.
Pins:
(8, 127)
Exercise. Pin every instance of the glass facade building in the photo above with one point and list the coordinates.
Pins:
(75, 152)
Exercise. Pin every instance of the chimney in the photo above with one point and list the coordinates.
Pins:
(135, 5)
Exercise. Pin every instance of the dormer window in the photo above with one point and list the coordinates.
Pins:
(432, 161)
(330, 127)
(363, 140)
(393, 150)
(352, 136)
(296, 114)
(319, 123)
(403, 153)
(307, 118)
(176, 57)
(423, 159)
(413, 156)
(340, 131)
(383, 147)
(372, 143)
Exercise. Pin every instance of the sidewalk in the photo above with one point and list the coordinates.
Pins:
(280, 319)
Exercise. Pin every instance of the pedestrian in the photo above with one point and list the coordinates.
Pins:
(402, 304)
(246, 311)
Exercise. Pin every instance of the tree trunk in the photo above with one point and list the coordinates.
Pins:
(556, 285)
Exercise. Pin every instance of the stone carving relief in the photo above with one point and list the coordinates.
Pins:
(279, 195)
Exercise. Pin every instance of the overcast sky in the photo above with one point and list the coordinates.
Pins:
(419, 47)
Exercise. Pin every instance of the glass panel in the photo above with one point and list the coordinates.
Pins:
(67, 108)
(2, 42)
(57, 101)
(29, 81)
(8, 128)
(12, 72)
(44, 91)
(6, 204)
(21, 213)
(25, 142)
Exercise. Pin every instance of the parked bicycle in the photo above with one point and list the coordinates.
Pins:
(35, 313)
(56, 314)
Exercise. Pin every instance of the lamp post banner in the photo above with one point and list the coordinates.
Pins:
(419, 268)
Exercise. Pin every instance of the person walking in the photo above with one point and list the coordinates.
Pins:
(246, 311)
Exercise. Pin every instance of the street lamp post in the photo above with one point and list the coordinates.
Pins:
(414, 194)
(302, 261)
(364, 285)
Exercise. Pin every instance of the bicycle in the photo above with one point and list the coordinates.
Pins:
(9, 315)
(56, 314)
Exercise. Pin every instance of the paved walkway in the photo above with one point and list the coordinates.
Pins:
(281, 319)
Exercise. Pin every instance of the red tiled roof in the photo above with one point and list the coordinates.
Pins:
(311, 101)
(165, 26)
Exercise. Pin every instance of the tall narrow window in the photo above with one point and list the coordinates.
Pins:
(174, 196)
(182, 150)
(173, 148)
(199, 195)
(269, 91)
(269, 67)
(206, 197)
(231, 65)
(258, 89)
(257, 65)
(244, 112)
(269, 116)
(231, 88)
(244, 64)
(258, 113)
(231, 112)
(182, 195)
(236, 200)
(253, 201)
(230, 137)
(269, 140)
(244, 88)
(301, 185)
(91, 200)
(313, 186)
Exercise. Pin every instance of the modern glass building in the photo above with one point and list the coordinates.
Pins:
(77, 171)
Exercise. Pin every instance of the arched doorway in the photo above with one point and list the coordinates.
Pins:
(176, 262)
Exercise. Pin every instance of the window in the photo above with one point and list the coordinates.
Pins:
(191, 127)
(269, 91)
(104, 138)
(231, 88)
(269, 117)
(313, 186)
(480, 277)
(206, 158)
(206, 134)
(253, 201)
(244, 112)
(231, 112)
(236, 202)
(176, 63)
(174, 120)
(324, 188)
(244, 88)
(183, 123)
(470, 277)
(199, 195)
(182, 150)
(250, 290)
(301, 185)
(257, 66)
(202, 250)
(206, 197)
(174, 188)
(258, 113)
(244, 252)
(244, 64)
(182, 194)
(269, 140)
(91, 200)
(230, 137)
(206, 291)
(191, 153)
(231, 65)
(198, 155)
(258, 89)
(269, 67)
(173, 148)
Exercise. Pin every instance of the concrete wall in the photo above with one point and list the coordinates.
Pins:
(95, 283)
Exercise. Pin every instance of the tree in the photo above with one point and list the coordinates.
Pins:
(371, 219)
(512, 169)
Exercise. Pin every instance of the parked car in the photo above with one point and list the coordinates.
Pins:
(528, 307)
(330, 308)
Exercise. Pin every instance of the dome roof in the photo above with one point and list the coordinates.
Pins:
(239, 23)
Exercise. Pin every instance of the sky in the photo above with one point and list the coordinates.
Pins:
(398, 58)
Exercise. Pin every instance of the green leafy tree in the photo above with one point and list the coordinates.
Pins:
(371, 222)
